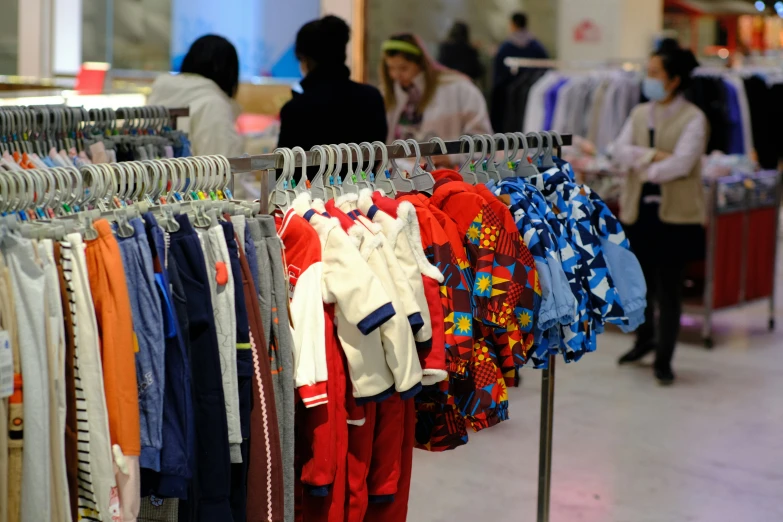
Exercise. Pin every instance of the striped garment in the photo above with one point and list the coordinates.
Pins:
(88, 505)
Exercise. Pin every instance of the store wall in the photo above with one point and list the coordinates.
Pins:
(608, 30)
(9, 36)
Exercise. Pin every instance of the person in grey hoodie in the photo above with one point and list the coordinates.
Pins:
(207, 84)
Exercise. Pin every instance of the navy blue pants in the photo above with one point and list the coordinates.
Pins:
(211, 484)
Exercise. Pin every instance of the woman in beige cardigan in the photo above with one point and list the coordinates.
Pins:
(662, 203)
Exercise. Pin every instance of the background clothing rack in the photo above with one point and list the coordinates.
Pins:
(174, 113)
(265, 166)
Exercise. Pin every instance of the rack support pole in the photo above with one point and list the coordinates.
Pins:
(545, 440)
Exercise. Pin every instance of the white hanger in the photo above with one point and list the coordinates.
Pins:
(491, 168)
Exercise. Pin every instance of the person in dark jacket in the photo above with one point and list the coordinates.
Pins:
(331, 108)
(459, 54)
(520, 44)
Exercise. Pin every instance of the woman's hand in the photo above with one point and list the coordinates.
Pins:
(660, 156)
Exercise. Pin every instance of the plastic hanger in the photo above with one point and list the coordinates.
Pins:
(279, 197)
(401, 183)
(480, 166)
(505, 169)
(302, 185)
(546, 160)
(317, 190)
(421, 179)
(492, 169)
(541, 145)
(383, 179)
(525, 168)
(443, 151)
(349, 183)
(334, 189)
(466, 170)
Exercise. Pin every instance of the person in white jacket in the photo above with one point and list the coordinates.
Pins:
(207, 84)
(424, 99)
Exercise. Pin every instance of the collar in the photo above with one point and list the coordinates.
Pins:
(325, 74)
(418, 81)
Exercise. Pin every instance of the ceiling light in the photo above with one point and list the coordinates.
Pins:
(760, 6)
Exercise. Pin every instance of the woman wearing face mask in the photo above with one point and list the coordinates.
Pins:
(662, 203)
(425, 99)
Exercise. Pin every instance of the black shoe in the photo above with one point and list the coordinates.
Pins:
(636, 353)
(665, 376)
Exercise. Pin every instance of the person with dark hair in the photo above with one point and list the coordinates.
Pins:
(330, 107)
(459, 54)
(520, 44)
(425, 99)
(662, 203)
(207, 84)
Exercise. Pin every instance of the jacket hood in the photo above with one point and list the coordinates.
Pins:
(176, 90)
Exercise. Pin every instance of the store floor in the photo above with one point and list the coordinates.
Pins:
(708, 449)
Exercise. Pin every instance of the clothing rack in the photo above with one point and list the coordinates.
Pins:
(265, 166)
(582, 65)
(93, 115)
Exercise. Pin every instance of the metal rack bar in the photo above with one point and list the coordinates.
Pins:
(275, 161)
(545, 440)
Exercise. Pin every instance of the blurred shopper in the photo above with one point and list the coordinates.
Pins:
(662, 203)
(207, 84)
(331, 108)
(424, 99)
(459, 54)
(520, 44)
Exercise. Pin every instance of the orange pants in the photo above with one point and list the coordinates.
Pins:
(115, 326)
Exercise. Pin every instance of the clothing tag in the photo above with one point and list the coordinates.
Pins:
(6, 366)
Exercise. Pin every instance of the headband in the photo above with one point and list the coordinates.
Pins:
(399, 45)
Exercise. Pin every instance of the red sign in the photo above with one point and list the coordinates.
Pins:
(91, 78)
(587, 31)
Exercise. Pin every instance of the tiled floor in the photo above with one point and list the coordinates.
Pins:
(709, 449)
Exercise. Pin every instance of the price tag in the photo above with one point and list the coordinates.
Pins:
(6, 366)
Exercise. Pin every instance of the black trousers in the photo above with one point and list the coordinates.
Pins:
(664, 291)
(663, 251)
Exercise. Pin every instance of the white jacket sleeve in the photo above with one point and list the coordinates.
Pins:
(307, 314)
